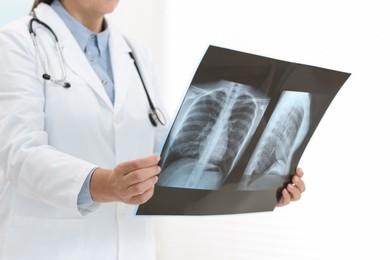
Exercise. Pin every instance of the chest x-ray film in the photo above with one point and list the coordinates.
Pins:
(239, 133)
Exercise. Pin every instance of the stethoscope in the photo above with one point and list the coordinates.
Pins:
(155, 114)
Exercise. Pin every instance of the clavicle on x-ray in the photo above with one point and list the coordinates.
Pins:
(217, 121)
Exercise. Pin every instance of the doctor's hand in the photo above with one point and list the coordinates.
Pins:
(131, 182)
(293, 191)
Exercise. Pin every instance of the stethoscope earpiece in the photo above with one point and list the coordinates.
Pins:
(46, 76)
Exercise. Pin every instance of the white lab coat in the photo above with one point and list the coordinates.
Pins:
(51, 138)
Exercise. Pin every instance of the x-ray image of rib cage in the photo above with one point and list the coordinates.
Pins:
(270, 162)
(214, 124)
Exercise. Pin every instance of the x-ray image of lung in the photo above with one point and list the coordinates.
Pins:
(216, 122)
(270, 162)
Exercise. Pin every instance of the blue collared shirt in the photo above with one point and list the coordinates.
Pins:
(95, 47)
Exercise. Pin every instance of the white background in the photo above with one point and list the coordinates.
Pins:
(344, 214)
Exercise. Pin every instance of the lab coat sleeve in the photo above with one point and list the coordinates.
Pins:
(30, 164)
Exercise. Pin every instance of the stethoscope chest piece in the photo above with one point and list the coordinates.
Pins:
(156, 116)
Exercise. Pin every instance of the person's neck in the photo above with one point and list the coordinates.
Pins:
(94, 25)
(93, 22)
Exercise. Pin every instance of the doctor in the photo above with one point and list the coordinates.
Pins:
(77, 137)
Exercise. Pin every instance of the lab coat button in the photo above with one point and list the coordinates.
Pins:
(118, 119)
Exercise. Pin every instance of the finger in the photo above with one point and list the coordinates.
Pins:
(142, 198)
(298, 183)
(294, 192)
(285, 199)
(141, 175)
(299, 172)
(142, 187)
(130, 166)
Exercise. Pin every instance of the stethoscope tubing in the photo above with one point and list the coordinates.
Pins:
(46, 75)
(155, 115)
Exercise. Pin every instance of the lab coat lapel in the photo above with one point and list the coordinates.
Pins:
(74, 57)
(128, 87)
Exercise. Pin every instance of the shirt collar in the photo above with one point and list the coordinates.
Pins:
(81, 33)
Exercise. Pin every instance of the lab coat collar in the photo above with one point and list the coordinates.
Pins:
(74, 58)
